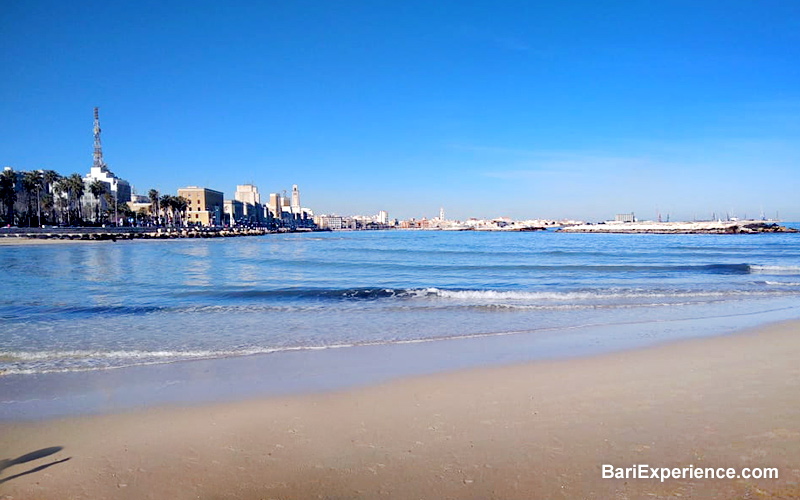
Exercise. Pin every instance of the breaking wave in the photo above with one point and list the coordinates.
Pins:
(480, 295)
(777, 270)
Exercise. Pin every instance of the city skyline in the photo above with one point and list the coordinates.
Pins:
(575, 111)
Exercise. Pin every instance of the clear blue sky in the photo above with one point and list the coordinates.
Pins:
(555, 109)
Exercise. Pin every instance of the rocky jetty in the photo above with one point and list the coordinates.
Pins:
(124, 233)
(705, 227)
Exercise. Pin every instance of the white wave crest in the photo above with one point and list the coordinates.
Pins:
(495, 296)
(759, 269)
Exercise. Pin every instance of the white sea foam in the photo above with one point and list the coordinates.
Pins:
(759, 269)
(494, 295)
(85, 360)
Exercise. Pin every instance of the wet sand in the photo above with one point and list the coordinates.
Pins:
(534, 430)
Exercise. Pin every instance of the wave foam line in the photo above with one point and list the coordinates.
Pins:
(759, 269)
(496, 295)
(256, 351)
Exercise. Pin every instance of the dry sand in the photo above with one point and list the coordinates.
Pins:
(539, 430)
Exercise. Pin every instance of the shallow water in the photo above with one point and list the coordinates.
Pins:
(96, 306)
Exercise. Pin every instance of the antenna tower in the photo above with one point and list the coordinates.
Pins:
(98, 147)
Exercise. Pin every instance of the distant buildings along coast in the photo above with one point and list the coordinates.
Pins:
(45, 197)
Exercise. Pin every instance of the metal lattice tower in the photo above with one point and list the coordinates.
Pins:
(98, 147)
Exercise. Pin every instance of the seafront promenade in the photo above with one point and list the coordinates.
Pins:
(26, 234)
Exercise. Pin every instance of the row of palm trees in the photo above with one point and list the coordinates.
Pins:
(173, 208)
(42, 197)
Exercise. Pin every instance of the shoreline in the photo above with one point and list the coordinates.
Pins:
(539, 428)
(35, 236)
(23, 236)
(41, 396)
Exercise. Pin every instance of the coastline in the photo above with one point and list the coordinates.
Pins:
(707, 227)
(33, 236)
(542, 428)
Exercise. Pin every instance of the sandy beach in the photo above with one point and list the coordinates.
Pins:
(537, 430)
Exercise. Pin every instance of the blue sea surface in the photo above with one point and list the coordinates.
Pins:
(95, 306)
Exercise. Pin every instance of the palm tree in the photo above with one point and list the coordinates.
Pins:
(76, 189)
(28, 188)
(60, 192)
(116, 208)
(33, 182)
(154, 209)
(8, 193)
(166, 206)
(50, 178)
(124, 210)
(49, 205)
(181, 204)
(97, 188)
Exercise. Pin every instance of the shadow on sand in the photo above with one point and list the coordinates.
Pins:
(30, 457)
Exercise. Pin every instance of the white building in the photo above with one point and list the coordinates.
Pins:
(247, 193)
(334, 222)
(295, 207)
(625, 217)
(250, 199)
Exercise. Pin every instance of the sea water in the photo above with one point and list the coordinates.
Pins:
(101, 306)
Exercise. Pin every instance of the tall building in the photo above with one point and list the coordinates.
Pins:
(276, 205)
(295, 199)
(204, 206)
(234, 211)
(250, 198)
(247, 193)
(441, 213)
(118, 188)
(383, 217)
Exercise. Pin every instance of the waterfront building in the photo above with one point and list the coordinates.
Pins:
(139, 198)
(233, 211)
(333, 222)
(295, 206)
(625, 217)
(383, 217)
(139, 203)
(276, 205)
(247, 193)
(204, 206)
(250, 198)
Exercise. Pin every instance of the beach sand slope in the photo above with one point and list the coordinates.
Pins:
(538, 430)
